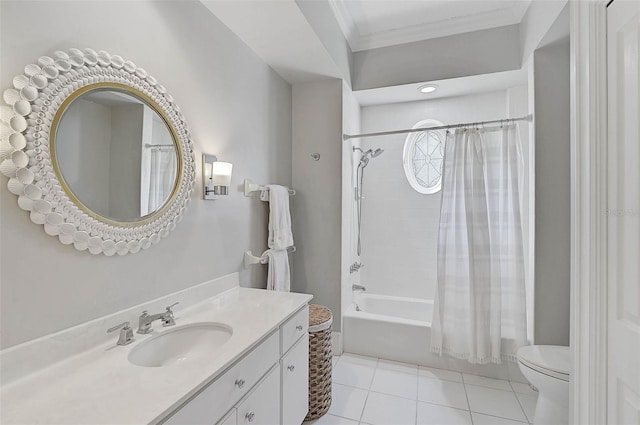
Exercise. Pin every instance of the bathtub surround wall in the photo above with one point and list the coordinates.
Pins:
(317, 206)
(236, 107)
(400, 225)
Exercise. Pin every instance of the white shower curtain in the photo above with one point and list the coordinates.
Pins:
(158, 179)
(479, 312)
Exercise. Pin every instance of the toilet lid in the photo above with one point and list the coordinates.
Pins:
(552, 360)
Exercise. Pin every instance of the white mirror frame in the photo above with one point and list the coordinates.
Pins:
(25, 123)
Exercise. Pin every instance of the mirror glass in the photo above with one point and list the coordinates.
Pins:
(116, 155)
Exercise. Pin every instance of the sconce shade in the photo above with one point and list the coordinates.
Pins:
(222, 173)
(208, 175)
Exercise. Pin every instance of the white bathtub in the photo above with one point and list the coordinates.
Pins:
(399, 328)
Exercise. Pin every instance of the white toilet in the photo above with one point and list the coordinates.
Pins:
(548, 367)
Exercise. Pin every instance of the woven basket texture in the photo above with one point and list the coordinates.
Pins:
(320, 356)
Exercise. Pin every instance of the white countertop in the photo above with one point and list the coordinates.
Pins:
(100, 386)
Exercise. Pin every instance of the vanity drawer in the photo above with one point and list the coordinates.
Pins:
(261, 407)
(294, 328)
(214, 401)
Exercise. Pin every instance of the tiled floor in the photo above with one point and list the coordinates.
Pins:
(381, 392)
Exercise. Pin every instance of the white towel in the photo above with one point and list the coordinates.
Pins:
(280, 236)
(278, 275)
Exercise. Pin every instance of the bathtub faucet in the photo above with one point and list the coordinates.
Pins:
(355, 267)
(357, 287)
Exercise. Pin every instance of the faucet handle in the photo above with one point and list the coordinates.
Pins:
(126, 333)
(168, 319)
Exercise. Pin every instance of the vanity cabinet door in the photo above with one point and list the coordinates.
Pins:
(262, 406)
(295, 383)
(294, 328)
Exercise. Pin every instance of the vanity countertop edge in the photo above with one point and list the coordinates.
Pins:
(102, 386)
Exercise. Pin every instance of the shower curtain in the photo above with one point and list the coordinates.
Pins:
(158, 179)
(479, 312)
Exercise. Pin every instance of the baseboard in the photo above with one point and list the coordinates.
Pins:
(336, 343)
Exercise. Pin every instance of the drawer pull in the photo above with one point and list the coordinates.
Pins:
(250, 416)
(240, 383)
(291, 368)
(299, 327)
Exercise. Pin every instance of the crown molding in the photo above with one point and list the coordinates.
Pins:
(463, 24)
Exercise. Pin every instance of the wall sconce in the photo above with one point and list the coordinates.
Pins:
(216, 175)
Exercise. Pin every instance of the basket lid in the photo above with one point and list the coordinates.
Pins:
(319, 314)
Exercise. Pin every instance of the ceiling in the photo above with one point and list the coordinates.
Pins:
(278, 32)
(370, 24)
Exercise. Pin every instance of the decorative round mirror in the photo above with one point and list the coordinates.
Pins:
(423, 156)
(97, 151)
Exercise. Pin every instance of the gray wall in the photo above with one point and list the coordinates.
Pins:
(460, 55)
(317, 128)
(124, 164)
(552, 186)
(86, 170)
(237, 108)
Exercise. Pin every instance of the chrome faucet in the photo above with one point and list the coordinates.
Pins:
(357, 287)
(126, 333)
(355, 267)
(145, 319)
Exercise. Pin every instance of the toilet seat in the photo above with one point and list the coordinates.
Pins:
(551, 360)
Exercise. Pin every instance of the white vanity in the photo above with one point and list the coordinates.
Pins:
(259, 375)
(278, 365)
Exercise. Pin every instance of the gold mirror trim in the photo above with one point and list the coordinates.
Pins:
(153, 105)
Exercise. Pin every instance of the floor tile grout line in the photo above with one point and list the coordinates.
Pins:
(502, 417)
(364, 406)
(492, 388)
(535, 393)
(464, 385)
(521, 407)
(417, 390)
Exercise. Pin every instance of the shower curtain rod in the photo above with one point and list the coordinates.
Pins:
(346, 137)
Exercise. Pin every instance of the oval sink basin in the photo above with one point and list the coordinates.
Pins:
(184, 343)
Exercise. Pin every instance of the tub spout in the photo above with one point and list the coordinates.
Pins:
(357, 287)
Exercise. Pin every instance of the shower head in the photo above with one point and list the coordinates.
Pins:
(377, 152)
(364, 161)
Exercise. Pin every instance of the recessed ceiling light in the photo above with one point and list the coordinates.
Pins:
(427, 88)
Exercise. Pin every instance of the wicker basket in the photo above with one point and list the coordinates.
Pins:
(320, 320)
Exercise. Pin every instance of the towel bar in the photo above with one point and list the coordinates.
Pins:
(250, 259)
(250, 187)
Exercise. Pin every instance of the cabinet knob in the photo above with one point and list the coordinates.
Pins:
(240, 383)
(291, 368)
(299, 327)
(250, 416)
